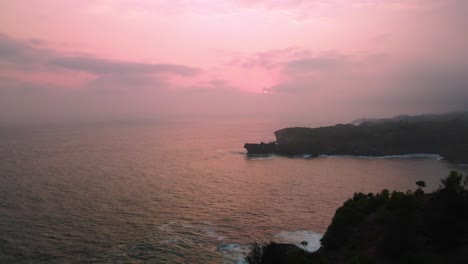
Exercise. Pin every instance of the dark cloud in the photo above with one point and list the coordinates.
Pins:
(103, 66)
(15, 54)
(23, 55)
(126, 82)
(36, 41)
(117, 89)
(216, 83)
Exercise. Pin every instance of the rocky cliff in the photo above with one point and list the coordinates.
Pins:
(448, 138)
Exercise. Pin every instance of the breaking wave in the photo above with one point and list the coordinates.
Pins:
(404, 156)
(234, 253)
(296, 237)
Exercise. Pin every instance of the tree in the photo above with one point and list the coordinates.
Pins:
(419, 191)
(454, 182)
(421, 184)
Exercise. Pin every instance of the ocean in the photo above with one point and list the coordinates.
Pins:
(174, 191)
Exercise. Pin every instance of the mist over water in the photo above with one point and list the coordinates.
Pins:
(173, 192)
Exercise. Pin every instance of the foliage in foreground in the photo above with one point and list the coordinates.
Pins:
(389, 227)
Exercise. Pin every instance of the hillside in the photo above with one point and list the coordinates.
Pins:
(389, 227)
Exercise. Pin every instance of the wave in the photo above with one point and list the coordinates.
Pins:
(170, 241)
(262, 156)
(235, 151)
(303, 156)
(403, 156)
(234, 253)
(310, 156)
(176, 234)
(275, 156)
(296, 237)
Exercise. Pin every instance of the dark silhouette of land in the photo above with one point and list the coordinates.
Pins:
(446, 135)
(389, 227)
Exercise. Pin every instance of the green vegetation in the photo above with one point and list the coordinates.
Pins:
(391, 227)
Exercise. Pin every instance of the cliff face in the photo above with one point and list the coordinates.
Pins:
(261, 148)
(447, 138)
(289, 135)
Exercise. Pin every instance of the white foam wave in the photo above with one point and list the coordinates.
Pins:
(181, 232)
(262, 156)
(404, 156)
(303, 156)
(276, 156)
(210, 231)
(296, 237)
(234, 253)
(236, 151)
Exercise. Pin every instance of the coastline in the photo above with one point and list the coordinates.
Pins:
(447, 140)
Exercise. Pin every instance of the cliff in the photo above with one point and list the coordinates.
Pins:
(448, 138)
(262, 148)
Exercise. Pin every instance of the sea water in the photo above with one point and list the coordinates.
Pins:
(174, 192)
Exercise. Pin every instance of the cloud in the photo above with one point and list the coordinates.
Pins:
(427, 84)
(321, 63)
(126, 82)
(23, 55)
(20, 54)
(105, 66)
(375, 81)
(277, 4)
(327, 70)
(268, 59)
(110, 88)
(411, 58)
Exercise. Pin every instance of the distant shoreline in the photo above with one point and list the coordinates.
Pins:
(307, 156)
(444, 136)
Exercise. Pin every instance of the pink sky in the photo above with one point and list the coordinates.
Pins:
(317, 59)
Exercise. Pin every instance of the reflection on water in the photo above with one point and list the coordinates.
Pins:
(172, 192)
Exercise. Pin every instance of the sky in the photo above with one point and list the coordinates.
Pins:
(323, 60)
